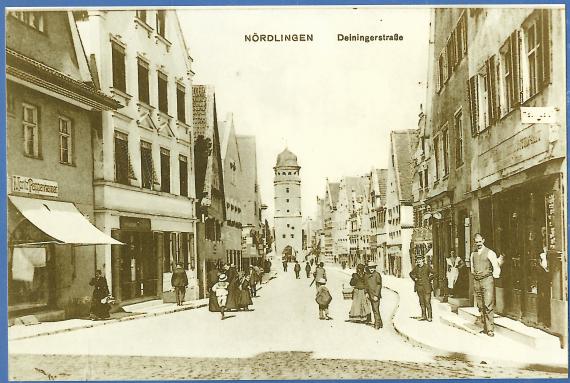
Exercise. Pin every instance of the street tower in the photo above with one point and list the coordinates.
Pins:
(287, 217)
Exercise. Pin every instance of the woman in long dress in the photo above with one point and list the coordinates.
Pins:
(245, 292)
(99, 310)
(360, 310)
(233, 289)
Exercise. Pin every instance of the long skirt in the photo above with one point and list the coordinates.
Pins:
(233, 297)
(360, 308)
(213, 304)
(98, 309)
(245, 298)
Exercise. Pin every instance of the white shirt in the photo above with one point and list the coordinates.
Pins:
(492, 258)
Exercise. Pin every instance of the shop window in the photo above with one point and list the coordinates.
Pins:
(183, 166)
(174, 249)
(118, 63)
(181, 102)
(163, 92)
(31, 130)
(166, 254)
(183, 255)
(147, 168)
(144, 94)
(121, 158)
(28, 277)
(165, 170)
(65, 141)
(161, 23)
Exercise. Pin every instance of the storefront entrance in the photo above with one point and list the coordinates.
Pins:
(519, 222)
(135, 266)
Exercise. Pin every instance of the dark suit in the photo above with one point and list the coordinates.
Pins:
(422, 277)
(374, 289)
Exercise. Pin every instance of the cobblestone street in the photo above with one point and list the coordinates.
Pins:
(274, 365)
(281, 339)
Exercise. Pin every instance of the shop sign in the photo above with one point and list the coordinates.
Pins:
(33, 186)
(134, 223)
(538, 115)
(551, 234)
(508, 156)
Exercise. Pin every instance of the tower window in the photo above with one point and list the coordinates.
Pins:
(287, 210)
(283, 235)
(287, 190)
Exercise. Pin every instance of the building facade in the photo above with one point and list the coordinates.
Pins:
(287, 216)
(492, 72)
(399, 210)
(144, 173)
(210, 190)
(53, 112)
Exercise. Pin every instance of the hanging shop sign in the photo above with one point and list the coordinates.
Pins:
(33, 186)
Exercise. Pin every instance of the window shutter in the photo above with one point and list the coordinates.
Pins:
(516, 63)
(492, 90)
(545, 43)
(474, 112)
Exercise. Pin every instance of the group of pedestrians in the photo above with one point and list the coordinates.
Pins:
(232, 290)
(366, 295)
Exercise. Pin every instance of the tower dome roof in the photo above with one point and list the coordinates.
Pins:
(286, 158)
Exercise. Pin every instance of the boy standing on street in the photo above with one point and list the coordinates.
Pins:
(221, 291)
(323, 299)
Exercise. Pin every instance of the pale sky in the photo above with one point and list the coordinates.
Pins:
(332, 103)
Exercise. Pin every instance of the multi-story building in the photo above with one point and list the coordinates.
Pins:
(209, 180)
(143, 164)
(233, 175)
(422, 234)
(332, 239)
(253, 225)
(53, 116)
(496, 80)
(399, 211)
(377, 216)
(287, 216)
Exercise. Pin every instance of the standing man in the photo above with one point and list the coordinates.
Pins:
(179, 281)
(422, 275)
(297, 269)
(374, 289)
(284, 265)
(485, 267)
(308, 269)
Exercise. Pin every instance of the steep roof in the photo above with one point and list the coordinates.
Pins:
(382, 178)
(333, 190)
(404, 143)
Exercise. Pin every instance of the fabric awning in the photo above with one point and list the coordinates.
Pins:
(61, 221)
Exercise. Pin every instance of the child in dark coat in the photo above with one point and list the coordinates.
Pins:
(323, 299)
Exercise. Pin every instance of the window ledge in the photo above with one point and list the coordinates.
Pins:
(144, 25)
(143, 106)
(163, 40)
(68, 164)
(124, 97)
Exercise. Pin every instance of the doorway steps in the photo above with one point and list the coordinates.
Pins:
(512, 329)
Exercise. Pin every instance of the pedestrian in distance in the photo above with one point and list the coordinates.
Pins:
(320, 272)
(284, 265)
(99, 309)
(485, 267)
(179, 281)
(232, 302)
(360, 308)
(253, 277)
(212, 278)
(374, 282)
(308, 269)
(244, 292)
(220, 289)
(323, 299)
(297, 269)
(422, 275)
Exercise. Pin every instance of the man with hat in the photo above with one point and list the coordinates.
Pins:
(179, 281)
(374, 289)
(422, 275)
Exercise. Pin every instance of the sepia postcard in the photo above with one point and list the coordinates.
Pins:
(286, 192)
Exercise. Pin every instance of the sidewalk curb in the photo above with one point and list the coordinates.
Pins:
(474, 358)
(112, 321)
(191, 306)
